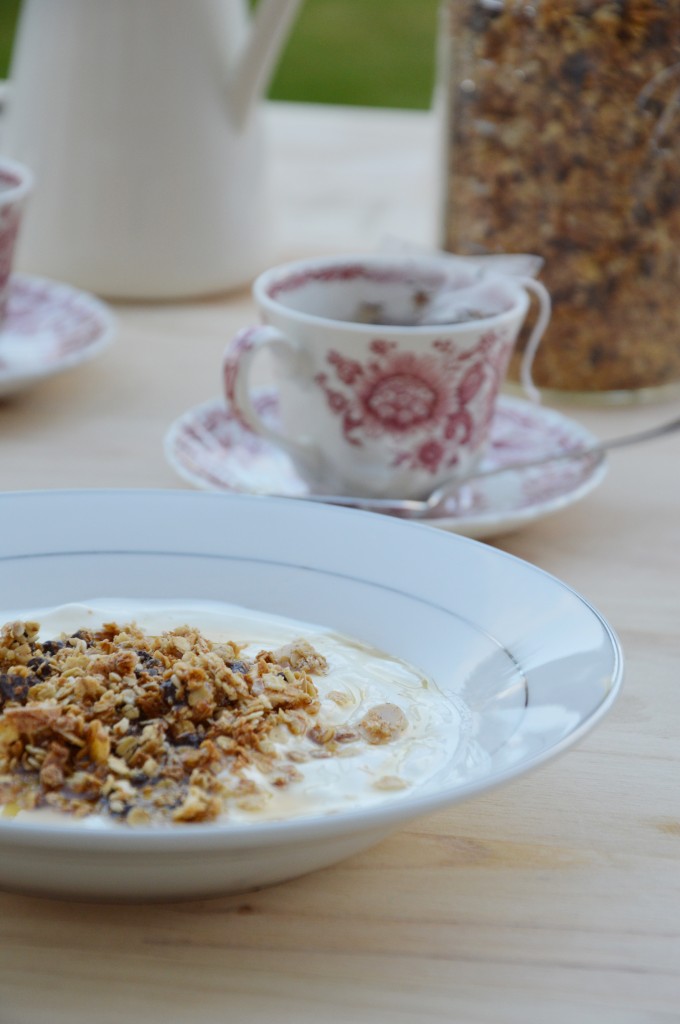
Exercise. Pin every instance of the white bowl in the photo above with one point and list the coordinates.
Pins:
(535, 664)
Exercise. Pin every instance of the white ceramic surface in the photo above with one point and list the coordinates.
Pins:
(49, 327)
(141, 124)
(387, 368)
(211, 449)
(532, 662)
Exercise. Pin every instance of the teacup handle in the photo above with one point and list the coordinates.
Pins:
(545, 307)
(237, 365)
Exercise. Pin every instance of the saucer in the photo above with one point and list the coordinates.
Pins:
(210, 449)
(50, 327)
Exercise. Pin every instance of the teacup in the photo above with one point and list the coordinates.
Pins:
(16, 181)
(391, 407)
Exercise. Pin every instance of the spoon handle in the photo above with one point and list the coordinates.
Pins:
(447, 491)
(624, 441)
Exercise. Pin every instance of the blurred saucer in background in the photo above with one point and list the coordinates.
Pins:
(49, 328)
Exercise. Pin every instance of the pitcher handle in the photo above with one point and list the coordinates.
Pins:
(271, 21)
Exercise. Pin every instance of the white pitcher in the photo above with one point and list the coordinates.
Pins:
(140, 120)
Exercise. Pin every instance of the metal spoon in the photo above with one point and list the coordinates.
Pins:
(413, 508)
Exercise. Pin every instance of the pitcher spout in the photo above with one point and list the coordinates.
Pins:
(255, 64)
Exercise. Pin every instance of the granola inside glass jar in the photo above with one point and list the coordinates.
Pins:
(564, 141)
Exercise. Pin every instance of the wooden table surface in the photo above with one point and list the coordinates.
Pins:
(554, 899)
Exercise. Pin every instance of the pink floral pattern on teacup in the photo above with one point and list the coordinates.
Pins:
(15, 183)
(431, 408)
(10, 218)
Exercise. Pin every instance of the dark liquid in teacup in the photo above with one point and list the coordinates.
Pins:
(376, 313)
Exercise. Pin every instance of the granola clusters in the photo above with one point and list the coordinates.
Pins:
(565, 142)
(169, 728)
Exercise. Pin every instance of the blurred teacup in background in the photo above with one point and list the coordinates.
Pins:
(387, 369)
(16, 182)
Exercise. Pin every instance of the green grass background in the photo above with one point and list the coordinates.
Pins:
(365, 52)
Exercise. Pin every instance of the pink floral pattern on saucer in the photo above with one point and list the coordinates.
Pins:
(49, 327)
(211, 449)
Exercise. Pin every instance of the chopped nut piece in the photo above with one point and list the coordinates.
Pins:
(301, 655)
(340, 698)
(382, 723)
(390, 782)
(98, 742)
(321, 734)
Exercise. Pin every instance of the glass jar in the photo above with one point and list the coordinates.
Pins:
(563, 140)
